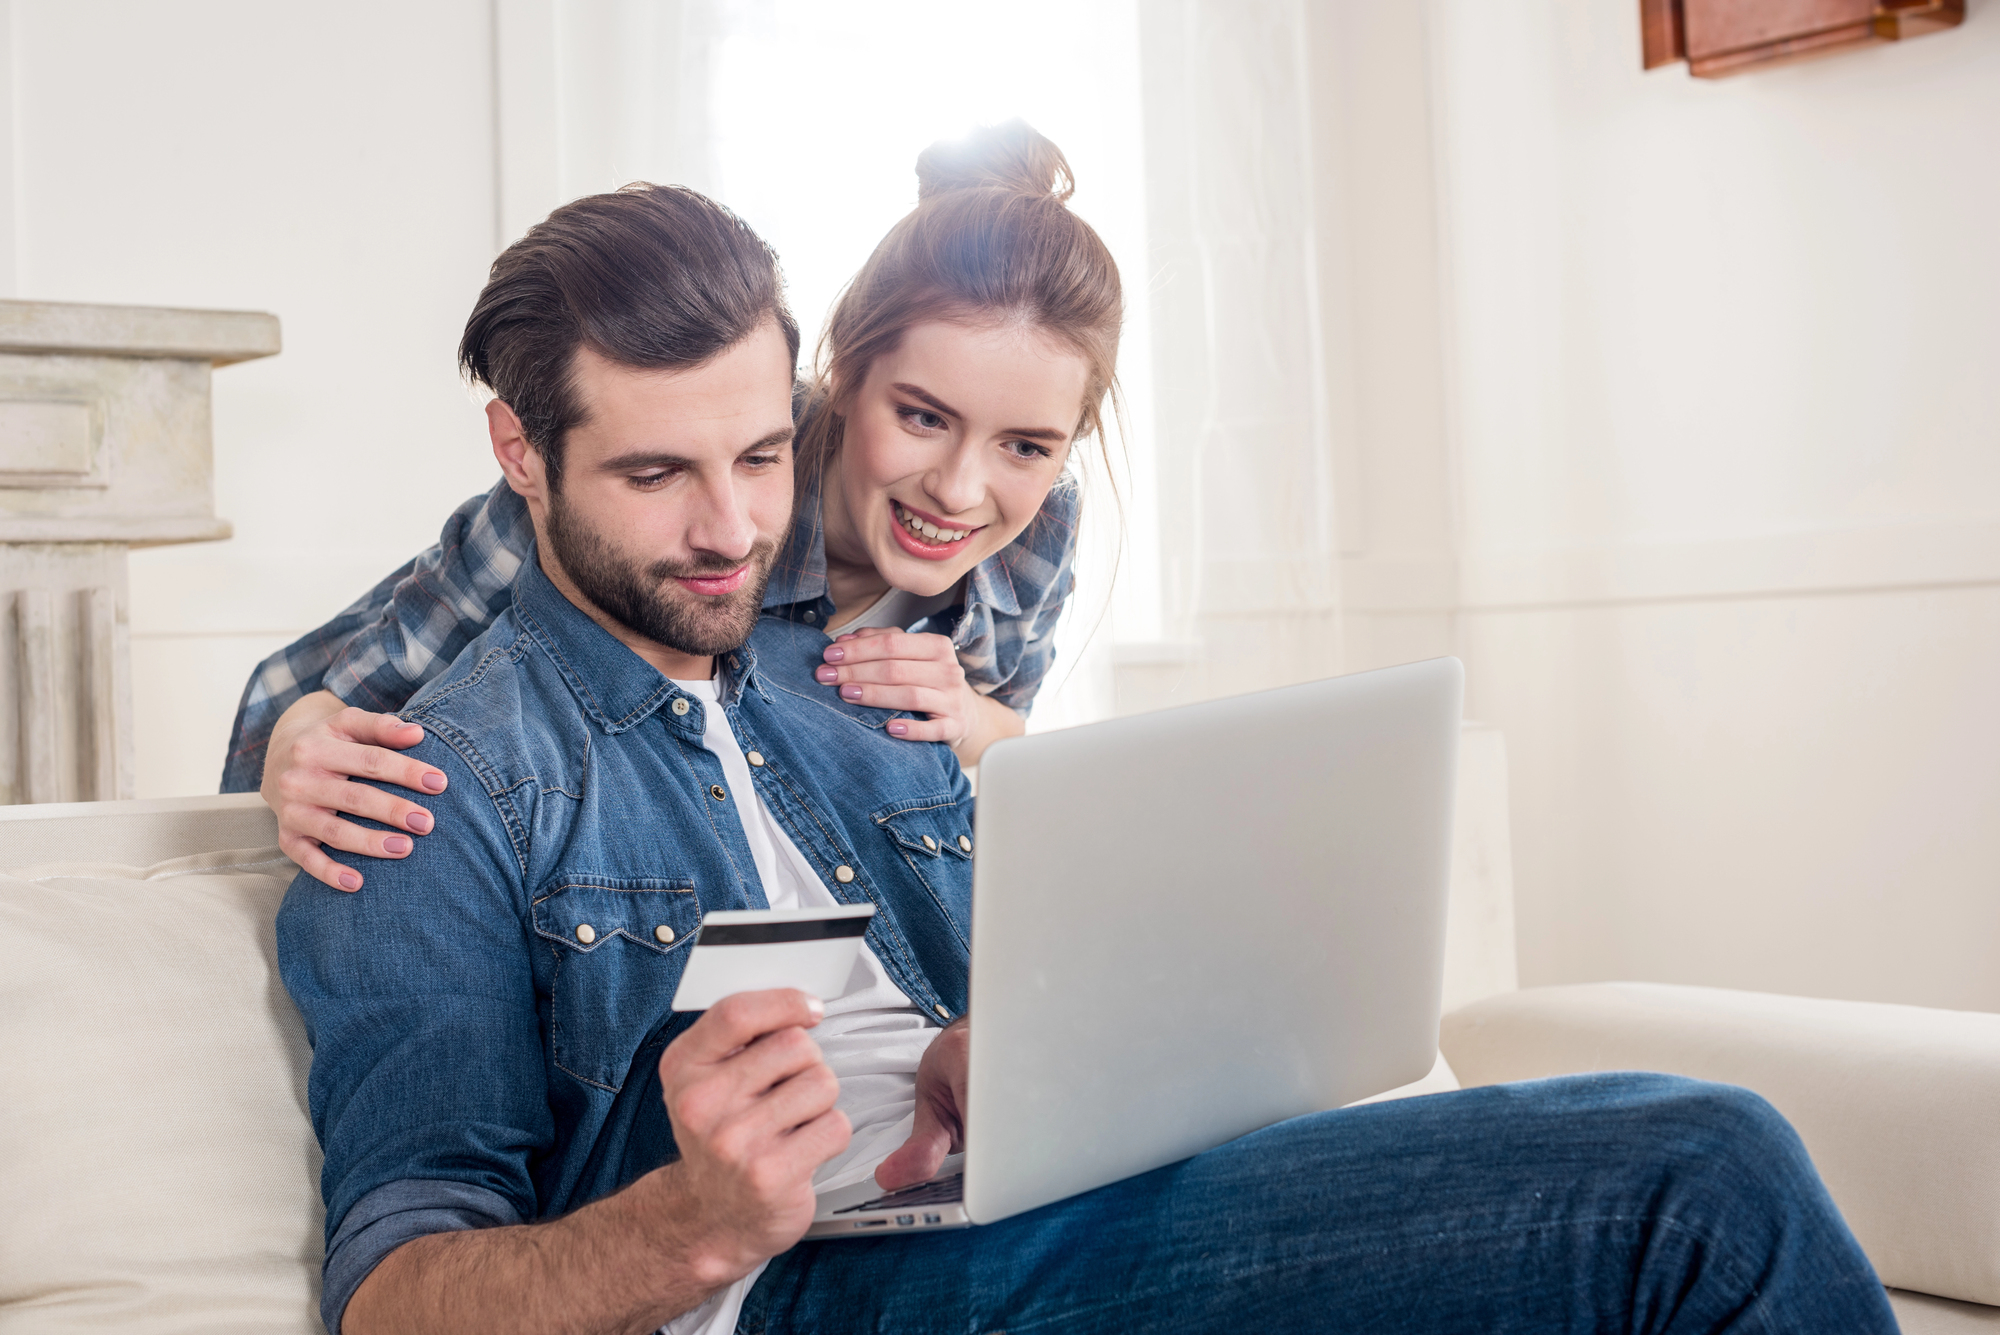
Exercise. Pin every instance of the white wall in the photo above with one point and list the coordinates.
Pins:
(1723, 367)
(334, 166)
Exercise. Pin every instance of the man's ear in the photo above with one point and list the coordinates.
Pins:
(520, 462)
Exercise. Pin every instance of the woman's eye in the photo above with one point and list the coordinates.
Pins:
(1027, 449)
(922, 417)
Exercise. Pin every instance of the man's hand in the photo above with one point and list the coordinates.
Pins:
(893, 669)
(940, 1125)
(317, 746)
(751, 1101)
(752, 1105)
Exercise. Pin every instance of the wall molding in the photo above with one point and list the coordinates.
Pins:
(1817, 562)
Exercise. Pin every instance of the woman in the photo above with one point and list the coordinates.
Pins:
(933, 537)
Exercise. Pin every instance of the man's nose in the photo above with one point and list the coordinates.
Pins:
(720, 521)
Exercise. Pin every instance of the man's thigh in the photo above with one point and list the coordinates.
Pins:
(1545, 1207)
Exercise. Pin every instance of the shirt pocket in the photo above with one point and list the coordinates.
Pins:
(620, 944)
(934, 837)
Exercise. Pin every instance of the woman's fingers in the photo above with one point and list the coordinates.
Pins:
(316, 790)
(324, 826)
(336, 755)
(375, 729)
(316, 864)
(874, 644)
(926, 729)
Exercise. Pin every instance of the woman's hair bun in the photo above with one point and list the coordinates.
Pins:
(1011, 156)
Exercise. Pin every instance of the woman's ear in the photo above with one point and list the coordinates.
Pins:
(520, 462)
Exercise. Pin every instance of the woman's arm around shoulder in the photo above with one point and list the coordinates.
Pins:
(317, 714)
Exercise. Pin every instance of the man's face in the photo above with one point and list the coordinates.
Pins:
(675, 494)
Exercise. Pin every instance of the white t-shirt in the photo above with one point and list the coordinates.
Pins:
(872, 1036)
(898, 609)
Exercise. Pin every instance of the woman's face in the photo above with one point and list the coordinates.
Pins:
(951, 443)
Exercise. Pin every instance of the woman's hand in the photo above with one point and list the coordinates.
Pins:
(893, 669)
(317, 747)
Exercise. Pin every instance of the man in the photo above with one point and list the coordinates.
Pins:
(520, 1136)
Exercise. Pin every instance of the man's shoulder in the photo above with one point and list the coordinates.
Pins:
(504, 709)
(816, 717)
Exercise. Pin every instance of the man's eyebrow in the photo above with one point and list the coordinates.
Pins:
(1031, 432)
(664, 459)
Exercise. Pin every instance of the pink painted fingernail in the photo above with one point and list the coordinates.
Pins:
(420, 821)
(434, 781)
(349, 881)
(836, 654)
(899, 727)
(850, 692)
(396, 845)
(827, 675)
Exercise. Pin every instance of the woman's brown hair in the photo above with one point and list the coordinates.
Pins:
(991, 241)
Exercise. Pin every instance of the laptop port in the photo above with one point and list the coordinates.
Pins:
(871, 1223)
(905, 1220)
(933, 1219)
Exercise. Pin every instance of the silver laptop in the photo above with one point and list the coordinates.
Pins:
(1189, 925)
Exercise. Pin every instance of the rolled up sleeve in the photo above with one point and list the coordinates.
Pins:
(427, 1089)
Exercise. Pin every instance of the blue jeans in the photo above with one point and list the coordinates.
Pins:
(1590, 1203)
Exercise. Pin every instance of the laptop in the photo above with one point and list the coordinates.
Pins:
(1189, 925)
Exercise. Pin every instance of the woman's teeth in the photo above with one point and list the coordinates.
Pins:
(926, 530)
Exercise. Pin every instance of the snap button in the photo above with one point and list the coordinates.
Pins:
(843, 873)
(663, 934)
(811, 617)
(585, 933)
(942, 1012)
(964, 843)
(756, 760)
(930, 843)
(680, 705)
(715, 791)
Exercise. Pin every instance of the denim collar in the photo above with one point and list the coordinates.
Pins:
(799, 576)
(616, 688)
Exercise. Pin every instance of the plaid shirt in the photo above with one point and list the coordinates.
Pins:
(408, 628)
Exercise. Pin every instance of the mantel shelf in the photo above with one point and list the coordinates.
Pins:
(217, 337)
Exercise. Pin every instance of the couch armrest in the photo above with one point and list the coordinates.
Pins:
(1899, 1105)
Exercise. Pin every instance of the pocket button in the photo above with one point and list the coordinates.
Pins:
(663, 934)
(964, 843)
(585, 933)
(930, 843)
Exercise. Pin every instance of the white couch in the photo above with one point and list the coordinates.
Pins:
(160, 1175)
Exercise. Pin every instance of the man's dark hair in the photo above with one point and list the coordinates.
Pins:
(650, 276)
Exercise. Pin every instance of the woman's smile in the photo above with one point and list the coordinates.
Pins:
(926, 535)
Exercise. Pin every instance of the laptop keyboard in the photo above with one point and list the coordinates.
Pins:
(945, 1190)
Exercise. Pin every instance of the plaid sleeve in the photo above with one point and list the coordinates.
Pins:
(382, 649)
(1042, 568)
(1037, 635)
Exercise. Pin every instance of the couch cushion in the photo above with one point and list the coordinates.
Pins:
(160, 1172)
(1899, 1105)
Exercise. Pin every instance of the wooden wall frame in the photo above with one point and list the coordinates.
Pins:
(1723, 37)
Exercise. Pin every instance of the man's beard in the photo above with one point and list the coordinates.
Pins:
(637, 596)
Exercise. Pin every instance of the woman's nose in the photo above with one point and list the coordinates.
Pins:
(958, 486)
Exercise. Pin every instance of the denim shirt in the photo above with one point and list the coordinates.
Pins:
(487, 1014)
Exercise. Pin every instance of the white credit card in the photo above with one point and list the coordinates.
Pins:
(748, 950)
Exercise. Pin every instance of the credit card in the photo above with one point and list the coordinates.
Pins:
(748, 950)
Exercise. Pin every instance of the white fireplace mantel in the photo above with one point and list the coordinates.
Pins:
(104, 446)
